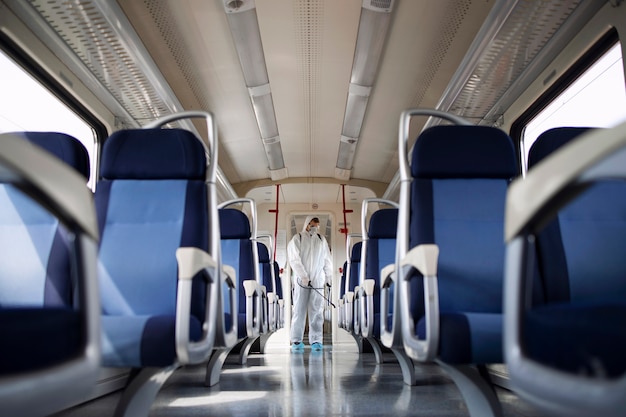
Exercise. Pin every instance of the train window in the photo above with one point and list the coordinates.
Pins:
(596, 98)
(26, 105)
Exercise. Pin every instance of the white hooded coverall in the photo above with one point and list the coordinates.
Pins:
(309, 257)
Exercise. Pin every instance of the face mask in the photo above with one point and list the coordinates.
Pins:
(313, 229)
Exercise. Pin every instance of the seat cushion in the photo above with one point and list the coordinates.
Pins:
(468, 338)
(34, 338)
(583, 338)
(140, 341)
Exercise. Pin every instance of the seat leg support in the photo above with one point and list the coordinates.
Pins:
(378, 350)
(479, 395)
(263, 341)
(245, 350)
(141, 391)
(214, 367)
(407, 366)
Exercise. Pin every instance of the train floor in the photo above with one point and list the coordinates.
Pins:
(326, 383)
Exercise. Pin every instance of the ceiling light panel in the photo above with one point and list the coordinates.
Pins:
(371, 36)
(244, 27)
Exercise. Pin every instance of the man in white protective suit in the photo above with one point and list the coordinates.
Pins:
(311, 268)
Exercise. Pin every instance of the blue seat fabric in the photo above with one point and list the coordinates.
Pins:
(381, 251)
(355, 265)
(150, 201)
(264, 267)
(279, 285)
(342, 282)
(582, 268)
(36, 288)
(237, 252)
(460, 179)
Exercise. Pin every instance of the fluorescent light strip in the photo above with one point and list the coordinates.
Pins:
(244, 27)
(373, 27)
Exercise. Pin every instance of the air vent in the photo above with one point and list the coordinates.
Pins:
(527, 29)
(86, 31)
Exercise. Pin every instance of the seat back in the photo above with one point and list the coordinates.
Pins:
(265, 267)
(342, 281)
(34, 245)
(379, 250)
(48, 295)
(237, 251)
(266, 275)
(151, 200)
(354, 269)
(581, 262)
(353, 275)
(584, 230)
(460, 179)
(278, 281)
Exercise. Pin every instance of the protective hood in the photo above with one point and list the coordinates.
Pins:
(307, 221)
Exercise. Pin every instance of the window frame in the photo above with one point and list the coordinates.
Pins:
(586, 61)
(47, 81)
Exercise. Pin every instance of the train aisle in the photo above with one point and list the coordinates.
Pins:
(325, 383)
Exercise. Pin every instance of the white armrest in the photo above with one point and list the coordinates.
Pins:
(191, 261)
(250, 287)
(252, 291)
(423, 258)
(349, 297)
(230, 275)
(387, 275)
(390, 335)
(366, 308)
(368, 287)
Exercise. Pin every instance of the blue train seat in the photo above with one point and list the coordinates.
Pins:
(266, 274)
(239, 252)
(344, 282)
(154, 214)
(379, 250)
(575, 338)
(279, 296)
(378, 254)
(49, 308)
(353, 274)
(341, 296)
(451, 280)
(271, 280)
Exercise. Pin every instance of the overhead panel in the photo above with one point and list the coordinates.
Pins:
(516, 42)
(502, 63)
(97, 42)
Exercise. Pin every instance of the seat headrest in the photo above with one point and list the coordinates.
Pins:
(383, 224)
(264, 254)
(551, 140)
(463, 152)
(65, 147)
(234, 224)
(153, 154)
(355, 256)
